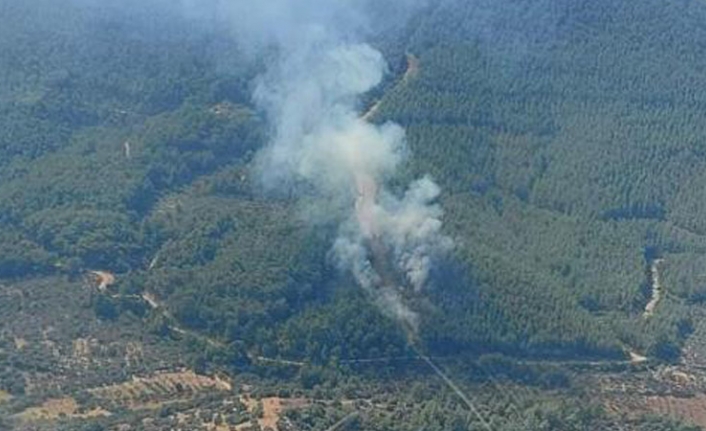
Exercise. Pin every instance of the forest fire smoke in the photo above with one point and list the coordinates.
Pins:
(365, 205)
(337, 161)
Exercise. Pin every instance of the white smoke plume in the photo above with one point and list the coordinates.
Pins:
(321, 144)
(317, 67)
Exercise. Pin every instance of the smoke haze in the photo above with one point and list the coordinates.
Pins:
(323, 147)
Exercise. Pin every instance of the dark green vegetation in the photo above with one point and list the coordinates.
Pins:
(566, 137)
(571, 155)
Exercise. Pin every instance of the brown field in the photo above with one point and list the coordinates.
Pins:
(141, 393)
(162, 385)
(58, 407)
(4, 396)
(272, 408)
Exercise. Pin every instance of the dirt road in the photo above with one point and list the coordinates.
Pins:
(657, 288)
(279, 361)
(343, 421)
(106, 279)
(412, 68)
(409, 74)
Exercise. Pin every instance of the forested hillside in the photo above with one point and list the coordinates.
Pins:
(566, 139)
(568, 150)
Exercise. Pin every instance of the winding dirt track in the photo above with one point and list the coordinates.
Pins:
(657, 288)
(106, 279)
(409, 74)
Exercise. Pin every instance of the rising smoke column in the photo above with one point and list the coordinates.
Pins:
(323, 146)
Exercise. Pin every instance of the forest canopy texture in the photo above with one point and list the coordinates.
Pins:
(566, 138)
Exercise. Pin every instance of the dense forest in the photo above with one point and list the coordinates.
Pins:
(565, 138)
(567, 151)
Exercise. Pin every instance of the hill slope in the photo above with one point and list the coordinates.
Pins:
(565, 137)
(567, 142)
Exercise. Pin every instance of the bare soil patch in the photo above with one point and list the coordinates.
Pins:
(272, 409)
(104, 279)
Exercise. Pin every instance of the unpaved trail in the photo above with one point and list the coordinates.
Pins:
(150, 300)
(657, 288)
(154, 304)
(342, 422)
(412, 68)
(633, 358)
(106, 279)
(367, 115)
(636, 358)
(279, 361)
(411, 71)
(153, 262)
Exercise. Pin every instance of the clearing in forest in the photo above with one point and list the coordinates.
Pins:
(104, 278)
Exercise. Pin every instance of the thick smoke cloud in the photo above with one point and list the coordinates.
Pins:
(321, 146)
